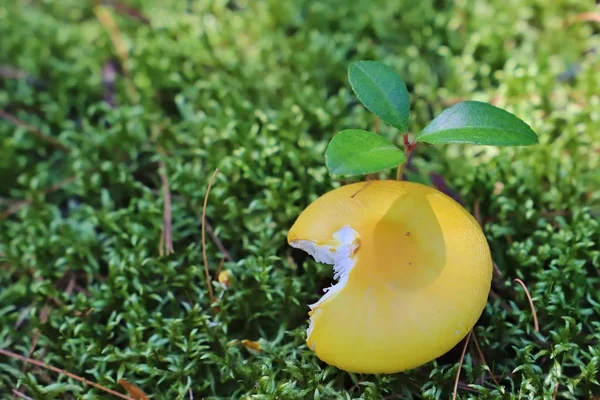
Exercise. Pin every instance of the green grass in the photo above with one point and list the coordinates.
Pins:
(257, 89)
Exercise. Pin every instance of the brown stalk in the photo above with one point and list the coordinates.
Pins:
(44, 316)
(19, 205)
(21, 395)
(217, 242)
(8, 72)
(125, 10)
(208, 280)
(535, 319)
(408, 152)
(221, 263)
(34, 131)
(483, 360)
(62, 372)
(477, 211)
(209, 229)
(107, 21)
(167, 228)
(497, 270)
(462, 358)
(503, 302)
(466, 387)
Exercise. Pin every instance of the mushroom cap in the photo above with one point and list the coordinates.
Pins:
(413, 271)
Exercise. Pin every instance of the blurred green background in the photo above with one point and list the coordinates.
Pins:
(104, 105)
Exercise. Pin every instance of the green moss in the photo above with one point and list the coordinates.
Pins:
(257, 89)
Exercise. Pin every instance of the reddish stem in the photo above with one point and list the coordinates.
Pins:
(408, 146)
(408, 150)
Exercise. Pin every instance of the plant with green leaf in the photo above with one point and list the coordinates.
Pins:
(398, 243)
(383, 92)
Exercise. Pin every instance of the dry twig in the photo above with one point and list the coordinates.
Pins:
(19, 205)
(497, 270)
(535, 319)
(62, 372)
(217, 242)
(555, 393)
(8, 72)
(107, 21)
(484, 360)
(166, 238)
(21, 395)
(466, 387)
(208, 280)
(209, 229)
(34, 131)
(477, 211)
(125, 10)
(462, 358)
(44, 316)
(503, 302)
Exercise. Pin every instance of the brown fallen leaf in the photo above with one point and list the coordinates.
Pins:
(583, 17)
(133, 390)
(498, 188)
(225, 278)
(249, 344)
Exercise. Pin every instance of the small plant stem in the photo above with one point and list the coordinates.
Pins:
(399, 171)
(371, 177)
(408, 150)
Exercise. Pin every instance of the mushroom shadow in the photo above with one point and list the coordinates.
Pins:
(409, 244)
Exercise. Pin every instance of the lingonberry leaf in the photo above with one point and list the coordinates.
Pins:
(356, 152)
(382, 91)
(480, 123)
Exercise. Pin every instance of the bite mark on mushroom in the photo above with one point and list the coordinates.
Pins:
(341, 254)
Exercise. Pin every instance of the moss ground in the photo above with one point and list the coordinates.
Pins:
(257, 89)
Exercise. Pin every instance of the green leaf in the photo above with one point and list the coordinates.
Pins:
(478, 123)
(382, 91)
(355, 152)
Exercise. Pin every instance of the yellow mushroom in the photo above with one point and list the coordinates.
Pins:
(413, 272)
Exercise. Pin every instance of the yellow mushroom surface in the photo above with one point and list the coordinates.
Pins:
(413, 271)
